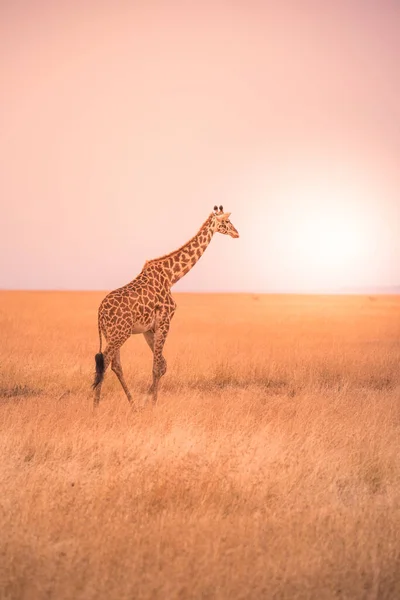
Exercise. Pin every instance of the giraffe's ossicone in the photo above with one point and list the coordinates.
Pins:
(145, 305)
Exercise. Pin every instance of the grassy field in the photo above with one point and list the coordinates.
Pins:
(269, 469)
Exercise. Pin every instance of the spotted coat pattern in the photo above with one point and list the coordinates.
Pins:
(145, 305)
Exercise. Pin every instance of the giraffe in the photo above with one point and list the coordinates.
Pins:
(145, 305)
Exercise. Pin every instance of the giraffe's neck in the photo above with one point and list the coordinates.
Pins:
(176, 264)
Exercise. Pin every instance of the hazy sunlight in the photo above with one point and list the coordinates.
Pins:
(115, 111)
(331, 232)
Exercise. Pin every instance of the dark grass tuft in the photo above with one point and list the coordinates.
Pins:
(19, 391)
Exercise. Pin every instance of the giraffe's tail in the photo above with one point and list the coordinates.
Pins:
(99, 374)
(99, 358)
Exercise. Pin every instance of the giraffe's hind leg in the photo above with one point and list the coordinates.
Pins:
(117, 368)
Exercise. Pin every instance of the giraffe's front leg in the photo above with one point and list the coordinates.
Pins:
(159, 362)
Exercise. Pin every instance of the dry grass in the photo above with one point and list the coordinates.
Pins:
(270, 468)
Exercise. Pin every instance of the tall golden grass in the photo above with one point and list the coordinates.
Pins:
(269, 469)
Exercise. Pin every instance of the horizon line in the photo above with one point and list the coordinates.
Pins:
(381, 291)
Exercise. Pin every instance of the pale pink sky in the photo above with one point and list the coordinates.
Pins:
(123, 123)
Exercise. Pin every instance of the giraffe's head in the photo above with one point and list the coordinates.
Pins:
(222, 222)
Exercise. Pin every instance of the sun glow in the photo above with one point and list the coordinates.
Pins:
(330, 240)
(331, 235)
(321, 233)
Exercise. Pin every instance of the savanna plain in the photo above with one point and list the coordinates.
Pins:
(270, 467)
